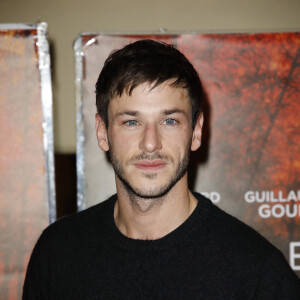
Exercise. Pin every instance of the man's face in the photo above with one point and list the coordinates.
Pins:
(149, 138)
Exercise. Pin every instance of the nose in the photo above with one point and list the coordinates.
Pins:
(150, 140)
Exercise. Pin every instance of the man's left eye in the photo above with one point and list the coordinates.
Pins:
(170, 122)
(131, 123)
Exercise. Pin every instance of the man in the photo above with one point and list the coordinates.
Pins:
(154, 239)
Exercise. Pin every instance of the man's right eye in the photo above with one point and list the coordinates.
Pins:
(131, 123)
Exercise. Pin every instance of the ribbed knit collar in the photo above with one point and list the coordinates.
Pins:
(182, 235)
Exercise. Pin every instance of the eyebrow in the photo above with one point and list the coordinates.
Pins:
(129, 112)
(165, 112)
(173, 111)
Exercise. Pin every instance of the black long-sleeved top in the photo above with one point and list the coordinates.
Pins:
(210, 256)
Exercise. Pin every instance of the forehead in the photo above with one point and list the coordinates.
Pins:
(148, 98)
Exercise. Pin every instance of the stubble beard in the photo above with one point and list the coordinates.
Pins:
(158, 192)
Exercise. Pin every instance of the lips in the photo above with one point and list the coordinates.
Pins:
(150, 165)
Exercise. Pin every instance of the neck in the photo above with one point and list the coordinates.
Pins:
(150, 219)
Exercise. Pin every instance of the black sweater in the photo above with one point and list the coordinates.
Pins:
(210, 256)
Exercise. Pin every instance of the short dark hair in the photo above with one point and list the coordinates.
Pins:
(146, 61)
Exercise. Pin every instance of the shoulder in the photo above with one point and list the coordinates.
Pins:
(82, 225)
(228, 228)
(62, 246)
(233, 240)
(244, 254)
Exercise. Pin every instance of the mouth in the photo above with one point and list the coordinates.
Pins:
(150, 165)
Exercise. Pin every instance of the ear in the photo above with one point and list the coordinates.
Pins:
(197, 133)
(101, 132)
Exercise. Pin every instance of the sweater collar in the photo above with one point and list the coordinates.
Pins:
(182, 235)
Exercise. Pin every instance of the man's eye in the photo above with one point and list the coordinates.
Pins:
(131, 123)
(170, 122)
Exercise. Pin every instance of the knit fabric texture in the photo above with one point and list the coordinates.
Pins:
(212, 255)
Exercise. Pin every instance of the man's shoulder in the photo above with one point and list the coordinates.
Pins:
(231, 233)
(82, 223)
(240, 249)
(243, 255)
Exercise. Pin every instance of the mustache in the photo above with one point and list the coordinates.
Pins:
(148, 156)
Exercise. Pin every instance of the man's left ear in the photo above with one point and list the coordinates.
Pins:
(197, 133)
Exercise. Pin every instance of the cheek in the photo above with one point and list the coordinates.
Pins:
(122, 143)
(178, 145)
(115, 136)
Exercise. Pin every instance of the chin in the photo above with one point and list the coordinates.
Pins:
(148, 192)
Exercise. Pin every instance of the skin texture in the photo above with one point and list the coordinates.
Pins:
(149, 139)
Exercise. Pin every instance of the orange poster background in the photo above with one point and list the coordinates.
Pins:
(23, 199)
(253, 87)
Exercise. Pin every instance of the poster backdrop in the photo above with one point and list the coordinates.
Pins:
(249, 163)
(23, 183)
